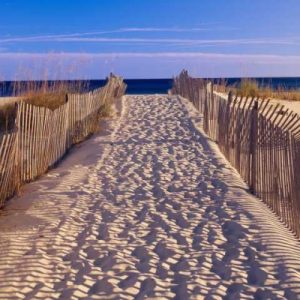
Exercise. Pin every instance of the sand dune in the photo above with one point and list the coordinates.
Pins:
(148, 209)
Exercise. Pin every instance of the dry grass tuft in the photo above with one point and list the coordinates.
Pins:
(251, 88)
(44, 94)
(52, 100)
(106, 110)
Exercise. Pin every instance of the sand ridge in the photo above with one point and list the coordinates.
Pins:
(151, 210)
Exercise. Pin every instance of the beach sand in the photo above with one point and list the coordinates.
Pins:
(146, 209)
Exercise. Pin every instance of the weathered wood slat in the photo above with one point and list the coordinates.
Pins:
(263, 146)
(42, 137)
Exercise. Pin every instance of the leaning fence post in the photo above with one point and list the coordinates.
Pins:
(17, 163)
(212, 116)
(226, 123)
(205, 111)
(253, 147)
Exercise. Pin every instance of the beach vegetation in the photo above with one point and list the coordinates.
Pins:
(251, 88)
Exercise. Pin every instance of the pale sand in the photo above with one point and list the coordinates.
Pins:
(149, 209)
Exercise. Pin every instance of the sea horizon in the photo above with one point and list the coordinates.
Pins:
(158, 85)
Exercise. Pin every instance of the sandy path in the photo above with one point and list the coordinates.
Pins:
(151, 210)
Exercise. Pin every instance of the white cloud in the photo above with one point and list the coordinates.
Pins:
(93, 37)
(151, 55)
(193, 42)
(164, 29)
(48, 37)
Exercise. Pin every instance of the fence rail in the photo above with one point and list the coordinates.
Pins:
(41, 137)
(260, 139)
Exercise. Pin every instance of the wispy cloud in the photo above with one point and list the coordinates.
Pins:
(103, 32)
(81, 38)
(49, 37)
(180, 55)
(170, 29)
(195, 42)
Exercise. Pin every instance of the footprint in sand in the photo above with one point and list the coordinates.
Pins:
(288, 294)
(129, 281)
(143, 266)
(181, 265)
(197, 242)
(209, 211)
(107, 216)
(106, 262)
(181, 221)
(175, 205)
(258, 246)
(103, 232)
(221, 213)
(141, 253)
(180, 239)
(173, 188)
(66, 294)
(250, 253)
(199, 228)
(91, 252)
(102, 286)
(84, 269)
(181, 291)
(151, 237)
(202, 186)
(233, 231)
(264, 294)
(159, 222)
(158, 192)
(163, 251)
(70, 256)
(231, 253)
(144, 257)
(147, 287)
(220, 268)
(218, 184)
(256, 275)
(233, 291)
(141, 215)
(212, 236)
(161, 272)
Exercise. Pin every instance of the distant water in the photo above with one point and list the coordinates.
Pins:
(161, 86)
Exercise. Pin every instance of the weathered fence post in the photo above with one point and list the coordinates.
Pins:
(40, 136)
(17, 165)
(211, 112)
(230, 97)
(205, 110)
(253, 147)
(226, 120)
(251, 135)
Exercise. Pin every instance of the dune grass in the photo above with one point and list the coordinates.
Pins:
(251, 88)
(45, 94)
(39, 93)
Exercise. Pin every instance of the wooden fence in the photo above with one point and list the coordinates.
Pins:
(41, 137)
(260, 139)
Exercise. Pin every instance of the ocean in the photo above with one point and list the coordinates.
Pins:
(161, 86)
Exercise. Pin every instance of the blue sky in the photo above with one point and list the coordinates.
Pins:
(148, 39)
